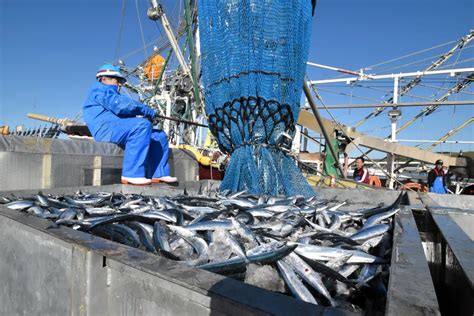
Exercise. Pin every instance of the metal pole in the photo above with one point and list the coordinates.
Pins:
(311, 102)
(305, 140)
(156, 12)
(344, 71)
(400, 104)
(395, 101)
(49, 119)
(394, 114)
(179, 120)
(168, 112)
(452, 72)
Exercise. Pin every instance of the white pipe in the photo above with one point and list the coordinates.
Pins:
(174, 45)
(359, 74)
(166, 125)
(395, 101)
(392, 76)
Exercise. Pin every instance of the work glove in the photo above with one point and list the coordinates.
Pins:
(148, 113)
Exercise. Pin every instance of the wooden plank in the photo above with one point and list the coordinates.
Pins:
(307, 120)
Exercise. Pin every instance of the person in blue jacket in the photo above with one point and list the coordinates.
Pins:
(436, 178)
(112, 117)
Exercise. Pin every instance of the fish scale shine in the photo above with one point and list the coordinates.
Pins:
(309, 238)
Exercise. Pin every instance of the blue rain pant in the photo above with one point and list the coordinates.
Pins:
(438, 186)
(146, 149)
(111, 117)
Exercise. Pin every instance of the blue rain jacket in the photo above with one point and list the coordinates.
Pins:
(104, 106)
(110, 117)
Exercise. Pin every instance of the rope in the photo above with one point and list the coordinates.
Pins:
(444, 89)
(414, 187)
(135, 51)
(461, 62)
(405, 56)
(417, 62)
(412, 54)
(350, 95)
(412, 83)
(163, 40)
(119, 40)
(180, 17)
(390, 91)
(446, 78)
(373, 130)
(141, 28)
(159, 29)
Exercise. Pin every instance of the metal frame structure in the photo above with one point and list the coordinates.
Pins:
(395, 113)
(410, 85)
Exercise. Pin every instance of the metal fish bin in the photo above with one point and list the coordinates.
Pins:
(63, 271)
(446, 225)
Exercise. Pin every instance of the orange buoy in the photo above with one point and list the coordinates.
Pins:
(375, 181)
(154, 67)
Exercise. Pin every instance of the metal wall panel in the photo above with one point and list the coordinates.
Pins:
(40, 275)
(450, 253)
(183, 165)
(36, 163)
(69, 170)
(411, 290)
(20, 170)
(462, 202)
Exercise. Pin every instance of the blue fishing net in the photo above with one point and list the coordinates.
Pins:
(254, 56)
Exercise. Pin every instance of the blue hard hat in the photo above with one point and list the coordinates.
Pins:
(110, 70)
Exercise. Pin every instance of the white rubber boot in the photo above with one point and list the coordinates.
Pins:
(165, 179)
(135, 181)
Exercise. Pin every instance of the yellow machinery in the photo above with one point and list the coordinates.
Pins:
(202, 159)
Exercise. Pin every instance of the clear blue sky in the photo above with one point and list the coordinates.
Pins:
(50, 50)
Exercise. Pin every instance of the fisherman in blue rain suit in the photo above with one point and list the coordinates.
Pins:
(436, 181)
(112, 117)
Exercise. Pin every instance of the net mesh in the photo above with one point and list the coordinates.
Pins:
(253, 59)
